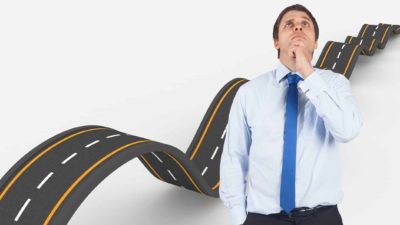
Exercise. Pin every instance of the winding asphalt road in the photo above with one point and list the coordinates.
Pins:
(48, 184)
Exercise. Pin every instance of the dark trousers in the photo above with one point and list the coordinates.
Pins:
(328, 215)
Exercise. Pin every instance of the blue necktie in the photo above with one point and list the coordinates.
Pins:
(287, 194)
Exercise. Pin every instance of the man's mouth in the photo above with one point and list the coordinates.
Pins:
(297, 36)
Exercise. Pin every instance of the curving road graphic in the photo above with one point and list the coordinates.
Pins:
(49, 183)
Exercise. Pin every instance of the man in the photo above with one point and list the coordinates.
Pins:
(283, 134)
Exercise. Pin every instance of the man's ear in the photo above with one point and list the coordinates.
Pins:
(315, 45)
(276, 44)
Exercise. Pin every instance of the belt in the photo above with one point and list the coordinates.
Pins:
(305, 211)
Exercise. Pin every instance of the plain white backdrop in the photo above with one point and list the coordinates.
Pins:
(151, 68)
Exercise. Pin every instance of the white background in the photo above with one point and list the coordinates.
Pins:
(151, 68)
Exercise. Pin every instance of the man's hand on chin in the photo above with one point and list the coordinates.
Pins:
(303, 59)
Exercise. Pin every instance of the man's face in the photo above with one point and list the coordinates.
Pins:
(295, 27)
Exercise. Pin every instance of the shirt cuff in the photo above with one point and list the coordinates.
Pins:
(238, 214)
(313, 85)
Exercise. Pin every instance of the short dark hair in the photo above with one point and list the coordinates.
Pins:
(296, 7)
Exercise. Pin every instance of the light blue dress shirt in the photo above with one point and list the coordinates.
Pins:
(253, 147)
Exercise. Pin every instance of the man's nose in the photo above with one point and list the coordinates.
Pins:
(298, 28)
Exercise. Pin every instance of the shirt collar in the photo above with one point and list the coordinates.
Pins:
(282, 71)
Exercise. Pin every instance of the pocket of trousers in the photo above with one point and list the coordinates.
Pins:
(339, 216)
(246, 220)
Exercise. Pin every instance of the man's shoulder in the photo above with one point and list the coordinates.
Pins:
(329, 75)
(258, 81)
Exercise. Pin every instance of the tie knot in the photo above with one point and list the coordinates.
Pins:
(293, 78)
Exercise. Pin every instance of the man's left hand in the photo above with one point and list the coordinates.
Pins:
(302, 57)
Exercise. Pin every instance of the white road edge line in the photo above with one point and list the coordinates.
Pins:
(157, 157)
(215, 151)
(171, 175)
(44, 180)
(115, 135)
(205, 169)
(223, 134)
(70, 157)
(22, 209)
(94, 142)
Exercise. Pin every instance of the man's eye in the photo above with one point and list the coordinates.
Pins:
(288, 25)
(305, 23)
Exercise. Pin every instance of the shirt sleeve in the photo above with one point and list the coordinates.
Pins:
(234, 161)
(334, 103)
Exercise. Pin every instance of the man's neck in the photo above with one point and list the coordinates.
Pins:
(289, 63)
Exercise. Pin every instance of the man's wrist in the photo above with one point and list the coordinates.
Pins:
(313, 86)
(306, 73)
(238, 214)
